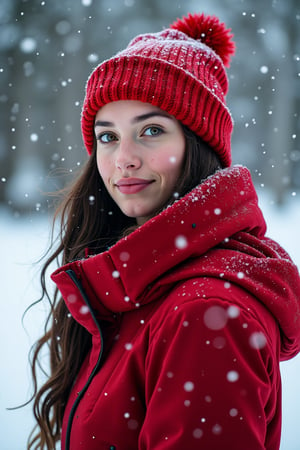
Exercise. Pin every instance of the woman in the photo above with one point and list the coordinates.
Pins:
(175, 309)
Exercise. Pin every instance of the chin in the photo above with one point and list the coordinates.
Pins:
(138, 214)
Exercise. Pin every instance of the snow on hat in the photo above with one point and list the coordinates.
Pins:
(181, 70)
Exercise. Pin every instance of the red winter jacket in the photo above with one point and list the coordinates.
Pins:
(190, 315)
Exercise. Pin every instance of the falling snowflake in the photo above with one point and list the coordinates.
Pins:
(233, 412)
(232, 376)
(264, 69)
(257, 340)
(71, 298)
(215, 318)
(84, 309)
(189, 386)
(197, 433)
(34, 137)
(181, 242)
(217, 429)
(233, 311)
(124, 256)
(28, 45)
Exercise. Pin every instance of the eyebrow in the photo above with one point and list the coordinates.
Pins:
(137, 119)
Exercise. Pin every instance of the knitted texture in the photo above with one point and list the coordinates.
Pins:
(178, 70)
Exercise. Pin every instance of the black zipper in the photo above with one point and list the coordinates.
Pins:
(78, 284)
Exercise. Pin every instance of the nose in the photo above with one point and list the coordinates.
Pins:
(127, 155)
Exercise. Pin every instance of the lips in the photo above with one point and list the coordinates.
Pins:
(132, 185)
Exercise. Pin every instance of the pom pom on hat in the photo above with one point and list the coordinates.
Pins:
(210, 31)
(180, 70)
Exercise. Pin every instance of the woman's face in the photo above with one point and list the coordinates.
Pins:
(140, 153)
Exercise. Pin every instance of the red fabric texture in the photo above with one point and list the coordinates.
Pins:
(196, 308)
(180, 74)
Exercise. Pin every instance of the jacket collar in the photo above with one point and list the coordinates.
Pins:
(218, 217)
(223, 205)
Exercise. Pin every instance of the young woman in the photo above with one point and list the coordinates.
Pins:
(173, 309)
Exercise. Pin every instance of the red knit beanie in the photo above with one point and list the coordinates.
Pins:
(180, 70)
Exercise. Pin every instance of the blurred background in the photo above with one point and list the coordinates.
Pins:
(47, 50)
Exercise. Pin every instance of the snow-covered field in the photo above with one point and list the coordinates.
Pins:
(22, 242)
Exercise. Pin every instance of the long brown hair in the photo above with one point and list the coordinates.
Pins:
(89, 218)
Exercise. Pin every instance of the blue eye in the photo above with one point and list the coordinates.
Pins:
(153, 131)
(105, 138)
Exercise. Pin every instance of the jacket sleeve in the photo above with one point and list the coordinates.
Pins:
(212, 380)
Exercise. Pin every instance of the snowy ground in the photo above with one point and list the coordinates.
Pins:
(23, 242)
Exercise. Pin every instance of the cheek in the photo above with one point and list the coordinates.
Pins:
(172, 163)
(104, 167)
(168, 159)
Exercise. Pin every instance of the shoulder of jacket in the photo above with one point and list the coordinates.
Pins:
(204, 295)
(206, 288)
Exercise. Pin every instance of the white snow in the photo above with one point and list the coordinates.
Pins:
(23, 241)
(28, 45)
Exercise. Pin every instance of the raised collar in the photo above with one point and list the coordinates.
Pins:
(221, 206)
(217, 230)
